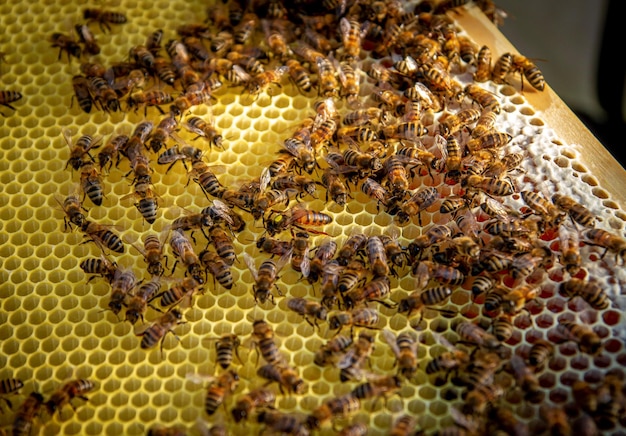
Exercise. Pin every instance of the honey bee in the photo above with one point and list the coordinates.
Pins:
(525, 264)
(502, 327)
(540, 205)
(101, 266)
(66, 44)
(349, 80)
(530, 71)
(353, 274)
(336, 188)
(425, 270)
(351, 35)
(526, 380)
(299, 75)
(219, 389)
(299, 146)
(79, 150)
(181, 289)
(396, 175)
(361, 317)
(220, 212)
(189, 99)
(452, 123)
(162, 430)
(273, 246)
(262, 81)
(484, 124)
(485, 99)
(67, 392)
(286, 376)
(474, 334)
(483, 65)
(375, 190)
(73, 210)
(164, 70)
(154, 98)
(201, 173)
(608, 241)
(104, 17)
(577, 212)
(328, 85)
(225, 347)
(417, 301)
(404, 348)
(281, 423)
(482, 397)
(223, 244)
(495, 298)
(300, 257)
(381, 387)
(421, 200)
(80, 84)
(556, 420)
(377, 256)
(205, 129)
(405, 130)
(502, 67)
(163, 132)
(122, 283)
(329, 281)
(139, 301)
(587, 340)
(490, 140)
(420, 93)
(364, 161)
(335, 407)
(102, 236)
(297, 217)
(449, 360)
(488, 185)
(540, 352)
(589, 291)
(374, 290)
(111, 150)
(322, 255)
(9, 386)
(157, 331)
(332, 350)
(265, 277)
(103, 94)
(87, 38)
(260, 398)
(217, 267)
(351, 364)
(183, 250)
(264, 339)
(25, 416)
(431, 236)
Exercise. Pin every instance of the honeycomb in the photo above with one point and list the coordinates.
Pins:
(55, 325)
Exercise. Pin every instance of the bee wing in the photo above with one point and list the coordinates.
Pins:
(347, 359)
(265, 179)
(305, 266)
(284, 259)
(497, 207)
(241, 74)
(441, 340)
(67, 136)
(441, 144)
(199, 378)
(344, 27)
(223, 211)
(391, 340)
(251, 265)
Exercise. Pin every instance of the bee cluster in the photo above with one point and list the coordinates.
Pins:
(402, 123)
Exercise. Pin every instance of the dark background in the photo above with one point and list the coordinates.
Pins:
(579, 46)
